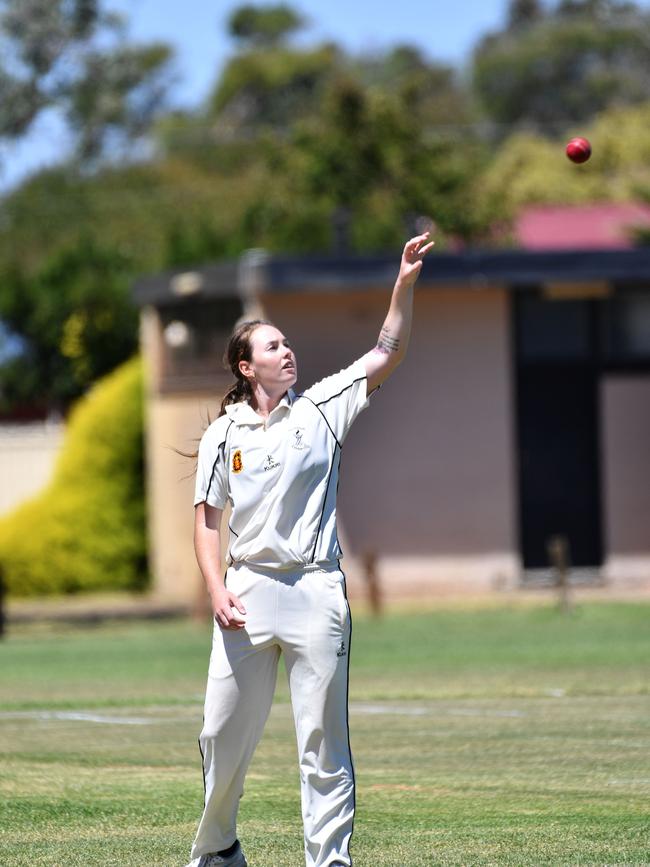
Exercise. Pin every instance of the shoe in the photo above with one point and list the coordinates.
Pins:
(237, 859)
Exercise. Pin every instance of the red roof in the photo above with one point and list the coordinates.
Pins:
(607, 226)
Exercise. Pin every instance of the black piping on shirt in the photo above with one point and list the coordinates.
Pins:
(332, 396)
(220, 451)
(317, 406)
(322, 513)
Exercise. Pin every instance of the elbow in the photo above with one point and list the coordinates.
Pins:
(397, 359)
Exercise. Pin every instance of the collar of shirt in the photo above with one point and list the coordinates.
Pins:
(244, 414)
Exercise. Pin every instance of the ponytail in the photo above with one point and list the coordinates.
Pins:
(239, 392)
(239, 349)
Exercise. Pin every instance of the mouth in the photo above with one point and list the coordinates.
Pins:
(289, 366)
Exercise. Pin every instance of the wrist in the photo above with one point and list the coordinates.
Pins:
(404, 284)
(216, 587)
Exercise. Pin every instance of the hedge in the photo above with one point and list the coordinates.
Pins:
(86, 529)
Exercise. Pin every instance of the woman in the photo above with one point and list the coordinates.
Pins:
(274, 455)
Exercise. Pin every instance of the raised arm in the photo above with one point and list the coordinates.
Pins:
(393, 340)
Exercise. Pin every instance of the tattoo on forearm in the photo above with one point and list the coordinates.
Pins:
(387, 343)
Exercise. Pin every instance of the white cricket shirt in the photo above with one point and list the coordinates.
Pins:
(281, 477)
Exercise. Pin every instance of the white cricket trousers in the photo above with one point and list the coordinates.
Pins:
(304, 615)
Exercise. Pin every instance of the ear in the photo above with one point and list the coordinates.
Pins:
(246, 370)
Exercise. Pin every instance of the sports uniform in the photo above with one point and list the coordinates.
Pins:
(281, 479)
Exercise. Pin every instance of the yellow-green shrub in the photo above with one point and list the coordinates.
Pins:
(86, 529)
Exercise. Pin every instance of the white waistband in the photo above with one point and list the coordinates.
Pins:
(293, 569)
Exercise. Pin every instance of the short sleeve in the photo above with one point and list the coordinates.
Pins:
(211, 483)
(341, 397)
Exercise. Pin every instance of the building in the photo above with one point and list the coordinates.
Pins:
(521, 414)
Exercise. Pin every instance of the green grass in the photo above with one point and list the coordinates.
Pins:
(512, 736)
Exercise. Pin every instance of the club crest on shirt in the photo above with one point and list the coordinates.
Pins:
(297, 438)
(237, 463)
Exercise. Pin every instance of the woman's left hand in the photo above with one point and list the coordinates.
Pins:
(414, 252)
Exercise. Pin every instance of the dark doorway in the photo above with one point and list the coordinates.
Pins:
(559, 491)
(558, 430)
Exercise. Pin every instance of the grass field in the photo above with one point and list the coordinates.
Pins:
(514, 736)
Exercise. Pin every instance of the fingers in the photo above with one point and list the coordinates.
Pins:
(415, 242)
(414, 246)
(230, 612)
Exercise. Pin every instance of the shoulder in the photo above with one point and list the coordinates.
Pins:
(216, 433)
(336, 384)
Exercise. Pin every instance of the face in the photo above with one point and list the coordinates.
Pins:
(273, 363)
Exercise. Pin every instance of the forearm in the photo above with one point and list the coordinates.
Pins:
(396, 331)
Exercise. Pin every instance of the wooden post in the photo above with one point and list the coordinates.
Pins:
(558, 555)
(372, 582)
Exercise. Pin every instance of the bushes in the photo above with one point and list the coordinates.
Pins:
(86, 529)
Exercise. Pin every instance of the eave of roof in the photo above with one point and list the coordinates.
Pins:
(270, 274)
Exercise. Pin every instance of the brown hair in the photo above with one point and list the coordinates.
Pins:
(239, 349)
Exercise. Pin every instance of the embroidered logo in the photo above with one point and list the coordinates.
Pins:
(298, 439)
(342, 651)
(237, 463)
(270, 463)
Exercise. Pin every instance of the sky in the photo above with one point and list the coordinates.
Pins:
(444, 30)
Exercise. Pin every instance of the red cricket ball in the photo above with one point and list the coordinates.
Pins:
(578, 150)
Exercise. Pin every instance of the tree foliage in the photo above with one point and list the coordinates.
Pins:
(72, 245)
(86, 530)
(264, 25)
(565, 66)
(71, 56)
(522, 13)
(270, 87)
(369, 162)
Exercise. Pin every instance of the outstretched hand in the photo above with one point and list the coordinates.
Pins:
(414, 252)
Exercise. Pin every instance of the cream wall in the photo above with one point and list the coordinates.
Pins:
(27, 456)
(625, 408)
(427, 471)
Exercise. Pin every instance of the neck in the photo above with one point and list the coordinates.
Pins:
(264, 402)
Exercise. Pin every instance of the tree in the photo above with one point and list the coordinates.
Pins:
(86, 529)
(264, 25)
(367, 160)
(71, 245)
(76, 323)
(565, 67)
(522, 13)
(432, 91)
(71, 56)
(263, 88)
